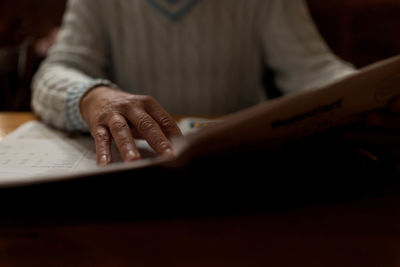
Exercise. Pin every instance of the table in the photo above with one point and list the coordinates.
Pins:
(9, 121)
(361, 232)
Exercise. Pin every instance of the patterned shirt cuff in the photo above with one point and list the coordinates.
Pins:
(74, 118)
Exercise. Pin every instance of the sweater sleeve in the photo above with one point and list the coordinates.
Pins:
(75, 64)
(295, 50)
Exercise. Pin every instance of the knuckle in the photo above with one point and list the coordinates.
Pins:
(127, 103)
(101, 135)
(167, 123)
(101, 117)
(145, 125)
(132, 98)
(124, 143)
(118, 124)
(147, 99)
(103, 113)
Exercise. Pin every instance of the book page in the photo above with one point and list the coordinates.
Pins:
(36, 150)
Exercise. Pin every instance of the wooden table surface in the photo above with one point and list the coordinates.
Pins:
(362, 232)
(9, 121)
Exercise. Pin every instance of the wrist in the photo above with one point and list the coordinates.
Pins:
(74, 95)
(90, 97)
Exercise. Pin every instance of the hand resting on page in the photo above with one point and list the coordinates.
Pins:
(114, 115)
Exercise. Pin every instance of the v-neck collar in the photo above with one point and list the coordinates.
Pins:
(173, 9)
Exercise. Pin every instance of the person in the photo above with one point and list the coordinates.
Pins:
(120, 68)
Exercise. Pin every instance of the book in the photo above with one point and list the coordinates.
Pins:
(267, 125)
(278, 121)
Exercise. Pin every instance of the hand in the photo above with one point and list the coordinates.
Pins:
(380, 131)
(113, 114)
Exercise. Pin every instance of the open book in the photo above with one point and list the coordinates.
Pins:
(266, 125)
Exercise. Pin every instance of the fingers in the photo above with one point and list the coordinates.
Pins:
(121, 131)
(150, 130)
(102, 141)
(167, 124)
(123, 139)
(117, 116)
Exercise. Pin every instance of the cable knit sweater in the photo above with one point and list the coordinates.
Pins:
(197, 57)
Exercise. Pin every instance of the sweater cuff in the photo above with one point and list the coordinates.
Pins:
(74, 118)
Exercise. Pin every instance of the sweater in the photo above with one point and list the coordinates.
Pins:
(195, 57)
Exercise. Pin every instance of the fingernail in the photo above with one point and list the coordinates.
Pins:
(103, 160)
(169, 153)
(131, 155)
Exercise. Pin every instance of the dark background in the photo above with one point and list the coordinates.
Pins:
(359, 31)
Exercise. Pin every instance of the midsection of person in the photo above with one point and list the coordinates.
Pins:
(209, 61)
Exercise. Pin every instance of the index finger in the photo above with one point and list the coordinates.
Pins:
(102, 140)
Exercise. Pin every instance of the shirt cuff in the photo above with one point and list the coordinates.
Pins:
(74, 118)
